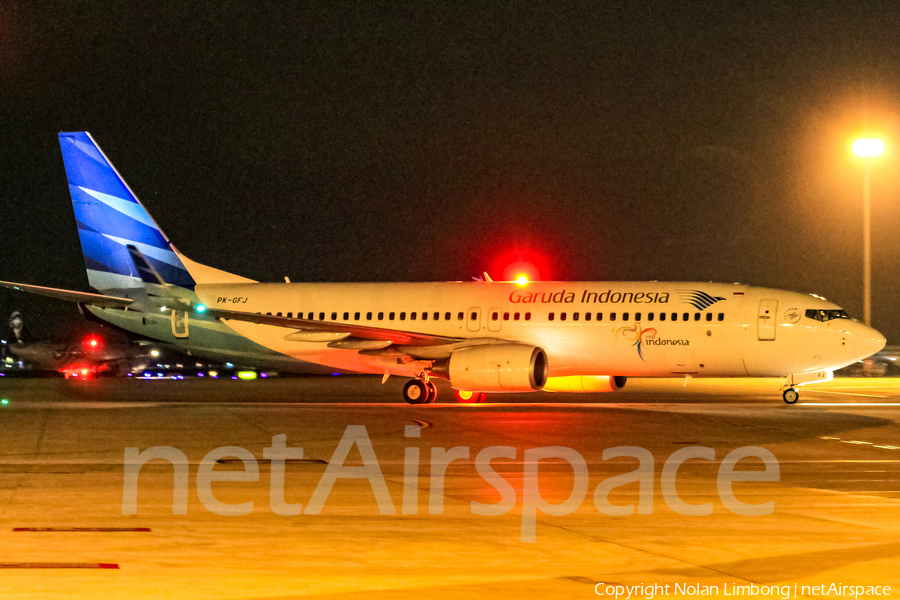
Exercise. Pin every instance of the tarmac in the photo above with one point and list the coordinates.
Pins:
(371, 511)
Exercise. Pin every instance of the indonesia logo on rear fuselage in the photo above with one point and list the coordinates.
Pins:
(697, 299)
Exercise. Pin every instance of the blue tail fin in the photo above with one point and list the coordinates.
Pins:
(110, 218)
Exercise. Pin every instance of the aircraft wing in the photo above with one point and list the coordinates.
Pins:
(82, 297)
(339, 334)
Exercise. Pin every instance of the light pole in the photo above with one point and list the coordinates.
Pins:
(866, 148)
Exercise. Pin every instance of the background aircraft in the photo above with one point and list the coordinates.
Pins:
(85, 355)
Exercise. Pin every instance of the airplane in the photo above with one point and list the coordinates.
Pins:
(91, 355)
(483, 337)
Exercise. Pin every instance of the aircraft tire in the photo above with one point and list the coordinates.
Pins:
(432, 393)
(790, 396)
(415, 392)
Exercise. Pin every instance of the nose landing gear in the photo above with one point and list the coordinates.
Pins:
(790, 395)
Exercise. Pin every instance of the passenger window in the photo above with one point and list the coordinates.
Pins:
(709, 316)
(334, 316)
(277, 314)
(624, 316)
(446, 316)
(310, 316)
(290, 315)
(650, 316)
(696, 316)
(574, 316)
(551, 316)
(674, 316)
(321, 316)
(495, 315)
(612, 316)
(473, 316)
(562, 316)
(459, 317)
(599, 316)
(684, 317)
(412, 316)
(587, 316)
(368, 316)
(506, 316)
(381, 316)
(527, 316)
(721, 316)
(403, 316)
(424, 316)
(516, 317)
(356, 316)
(637, 316)
(662, 316)
(390, 316)
(346, 316)
(437, 316)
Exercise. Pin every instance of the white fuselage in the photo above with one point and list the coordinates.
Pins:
(651, 329)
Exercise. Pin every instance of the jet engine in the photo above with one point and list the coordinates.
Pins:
(495, 368)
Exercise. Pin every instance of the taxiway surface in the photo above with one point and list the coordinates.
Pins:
(63, 490)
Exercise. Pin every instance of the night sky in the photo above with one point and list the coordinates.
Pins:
(414, 142)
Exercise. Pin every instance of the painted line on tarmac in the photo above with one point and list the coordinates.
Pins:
(845, 393)
(57, 565)
(82, 529)
(859, 443)
(849, 404)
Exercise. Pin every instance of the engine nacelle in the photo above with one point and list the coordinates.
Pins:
(495, 368)
(585, 384)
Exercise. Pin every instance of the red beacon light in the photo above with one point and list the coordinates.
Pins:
(522, 280)
(92, 342)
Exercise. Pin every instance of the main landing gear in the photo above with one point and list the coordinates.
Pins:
(423, 391)
(420, 391)
(790, 395)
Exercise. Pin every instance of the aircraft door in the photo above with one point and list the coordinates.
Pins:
(180, 323)
(473, 319)
(766, 320)
(495, 319)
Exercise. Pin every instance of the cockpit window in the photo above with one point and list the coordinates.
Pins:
(826, 315)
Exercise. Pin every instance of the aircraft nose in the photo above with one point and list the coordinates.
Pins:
(868, 341)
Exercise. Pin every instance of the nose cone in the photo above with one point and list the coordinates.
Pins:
(868, 341)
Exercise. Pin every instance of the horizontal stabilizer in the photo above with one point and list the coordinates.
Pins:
(69, 295)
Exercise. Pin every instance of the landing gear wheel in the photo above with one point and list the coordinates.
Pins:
(415, 392)
(790, 396)
(432, 393)
(465, 397)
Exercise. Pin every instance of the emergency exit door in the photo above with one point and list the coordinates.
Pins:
(473, 319)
